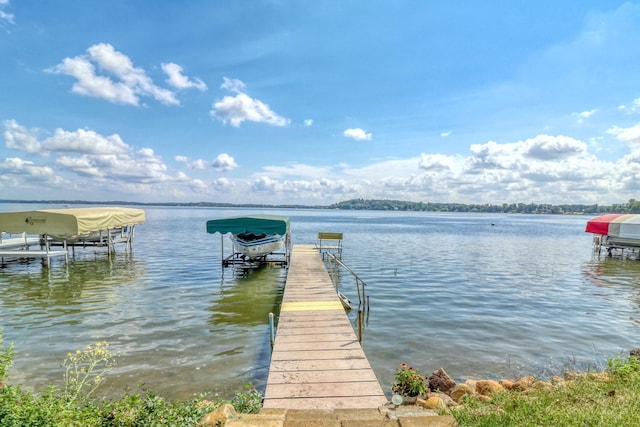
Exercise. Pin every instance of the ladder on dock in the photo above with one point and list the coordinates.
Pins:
(317, 361)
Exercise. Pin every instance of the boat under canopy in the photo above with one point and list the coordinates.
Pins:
(256, 224)
(254, 237)
(71, 223)
(615, 231)
(94, 226)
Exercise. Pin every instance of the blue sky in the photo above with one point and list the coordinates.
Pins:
(315, 102)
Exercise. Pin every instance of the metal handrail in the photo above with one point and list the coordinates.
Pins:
(334, 262)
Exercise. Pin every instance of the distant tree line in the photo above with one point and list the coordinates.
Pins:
(632, 206)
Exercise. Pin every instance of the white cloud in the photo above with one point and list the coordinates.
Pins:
(435, 162)
(241, 107)
(84, 141)
(581, 117)
(105, 163)
(26, 177)
(630, 136)
(81, 165)
(131, 82)
(633, 108)
(541, 169)
(224, 162)
(314, 191)
(358, 134)
(233, 85)
(264, 183)
(445, 134)
(222, 184)
(545, 147)
(308, 122)
(198, 164)
(5, 17)
(197, 185)
(18, 137)
(15, 165)
(179, 80)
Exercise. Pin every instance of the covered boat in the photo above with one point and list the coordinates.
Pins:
(75, 226)
(95, 226)
(254, 236)
(615, 231)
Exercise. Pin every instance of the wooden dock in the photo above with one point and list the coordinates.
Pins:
(317, 361)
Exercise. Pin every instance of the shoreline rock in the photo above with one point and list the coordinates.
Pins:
(443, 391)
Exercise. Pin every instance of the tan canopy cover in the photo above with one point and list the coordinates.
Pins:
(73, 222)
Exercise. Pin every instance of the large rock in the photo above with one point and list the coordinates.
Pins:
(433, 402)
(508, 384)
(524, 383)
(448, 401)
(459, 391)
(219, 416)
(635, 352)
(488, 387)
(439, 380)
(543, 385)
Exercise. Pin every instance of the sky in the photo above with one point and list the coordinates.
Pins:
(316, 102)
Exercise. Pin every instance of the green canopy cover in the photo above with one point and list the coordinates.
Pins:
(256, 224)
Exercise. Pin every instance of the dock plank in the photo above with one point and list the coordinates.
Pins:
(331, 376)
(317, 361)
(316, 345)
(316, 365)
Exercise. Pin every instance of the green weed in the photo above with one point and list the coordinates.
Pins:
(84, 371)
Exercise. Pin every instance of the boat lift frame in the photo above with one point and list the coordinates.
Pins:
(274, 258)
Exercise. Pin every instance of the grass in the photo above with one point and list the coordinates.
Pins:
(610, 398)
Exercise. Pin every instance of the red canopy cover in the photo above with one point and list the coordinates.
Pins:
(615, 225)
(600, 224)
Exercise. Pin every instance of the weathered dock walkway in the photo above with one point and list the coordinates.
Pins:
(317, 361)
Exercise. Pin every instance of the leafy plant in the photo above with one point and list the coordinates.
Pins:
(249, 401)
(149, 409)
(624, 368)
(409, 382)
(6, 358)
(84, 370)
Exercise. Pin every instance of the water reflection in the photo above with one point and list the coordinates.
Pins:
(605, 271)
(249, 298)
(617, 281)
(84, 280)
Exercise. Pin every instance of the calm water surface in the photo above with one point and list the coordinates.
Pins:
(482, 296)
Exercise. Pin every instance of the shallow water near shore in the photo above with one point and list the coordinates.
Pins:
(480, 295)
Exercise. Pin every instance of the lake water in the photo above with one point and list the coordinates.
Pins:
(480, 295)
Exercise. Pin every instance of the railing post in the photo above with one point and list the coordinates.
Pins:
(271, 330)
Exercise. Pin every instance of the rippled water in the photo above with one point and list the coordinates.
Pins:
(480, 295)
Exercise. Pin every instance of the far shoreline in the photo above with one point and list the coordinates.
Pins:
(632, 206)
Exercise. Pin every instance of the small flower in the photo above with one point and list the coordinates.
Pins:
(409, 381)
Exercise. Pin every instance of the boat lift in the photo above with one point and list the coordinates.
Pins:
(616, 233)
(66, 228)
(257, 225)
